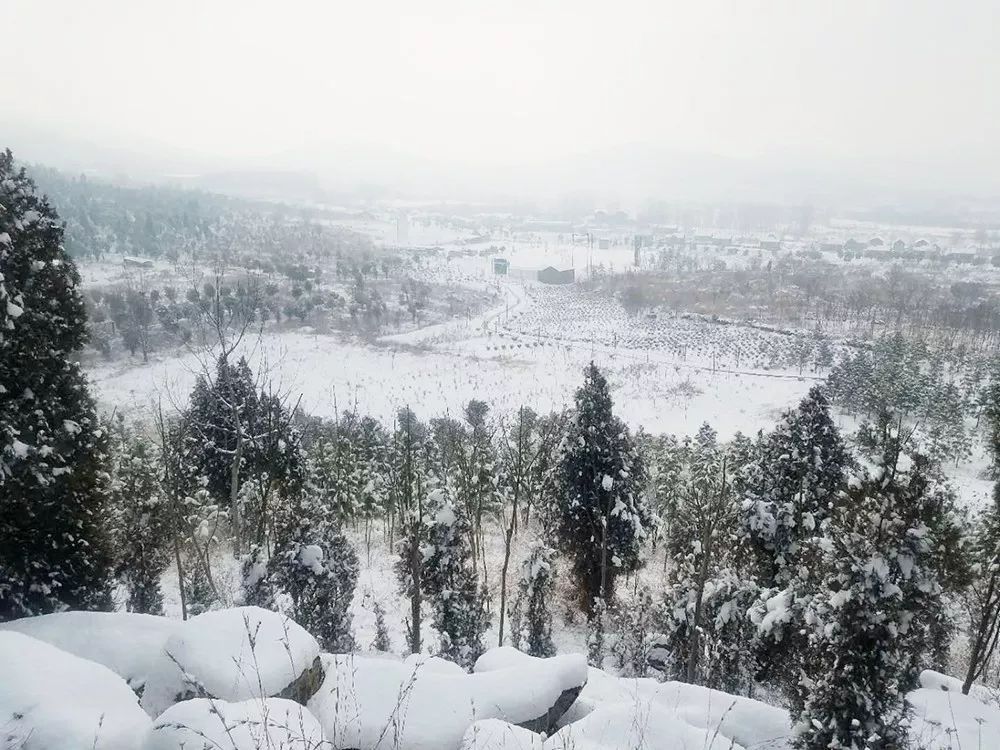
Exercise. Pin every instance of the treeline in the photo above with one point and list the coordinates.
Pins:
(942, 392)
(803, 290)
(142, 317)
(170, 223)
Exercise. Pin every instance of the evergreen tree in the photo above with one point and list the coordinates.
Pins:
(451, 585)
(317, 567)
(410, 484)
(382, 641)
(602, 517)
(141, 519)
(531, 614)
(707, 637)
(788, 489)
(53, 495)
(882, 576)
(239, 434)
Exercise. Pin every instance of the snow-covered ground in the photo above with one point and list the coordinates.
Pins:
(52, 699)
(436, 370)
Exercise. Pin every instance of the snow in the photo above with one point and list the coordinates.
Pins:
(53, 700)
(364, 700)
(233, 654)
(945, 720)
(441, 367)
(742, 721)
(614, 727)
(495, 734)
(248, 725)
(126, 643)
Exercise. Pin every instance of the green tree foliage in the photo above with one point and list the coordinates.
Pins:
(53, 487)
(602, 516)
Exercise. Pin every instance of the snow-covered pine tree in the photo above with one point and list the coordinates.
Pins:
(257, 586)
(451, 584)
(238, 433)
(477, 485)
(141, 515)
(531, 613)
(787, 490)
(409, 486)
(597, 632)
(602, 516)
(881, 575)
(382, 641)
(707, 636)
(635, 633)
(315, 564)
(53, 494)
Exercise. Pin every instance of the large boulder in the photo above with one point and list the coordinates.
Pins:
(366, 703)
(234, 655)
(619, 726)
(128, 644)
(601, 687)
(53, 700)
(248, 725)
(613, 712)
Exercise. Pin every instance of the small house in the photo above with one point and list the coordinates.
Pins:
(141, 263)
(553, 275)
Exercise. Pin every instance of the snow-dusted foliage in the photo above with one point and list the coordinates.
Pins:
(531, 613)
(316, 566)
(602, 516)
(53, 482)
(882, 563)
(787, 489)
(707, 637)
(142, 518)
(451, 584)
(634, 624)
(237, 434)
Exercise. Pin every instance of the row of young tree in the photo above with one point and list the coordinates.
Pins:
(939, 391)
(793, 559)
(920, 299)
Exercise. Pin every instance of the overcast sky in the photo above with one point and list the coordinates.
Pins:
(474, 85)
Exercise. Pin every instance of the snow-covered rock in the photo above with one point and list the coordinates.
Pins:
(433, 664)
(618, 726)
(735, 719)
(128, 644)
(248, 725)
(601, 687)
(53, 700)
(233, 655)
(365, 700)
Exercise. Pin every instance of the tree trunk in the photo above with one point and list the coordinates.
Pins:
(234, 490)
(503, 570)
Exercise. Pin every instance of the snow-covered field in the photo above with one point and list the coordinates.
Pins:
(437, 370)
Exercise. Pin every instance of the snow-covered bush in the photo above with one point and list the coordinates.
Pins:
(531, 613)
(450, 582)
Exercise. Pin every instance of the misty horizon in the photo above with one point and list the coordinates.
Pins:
(723, 101)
